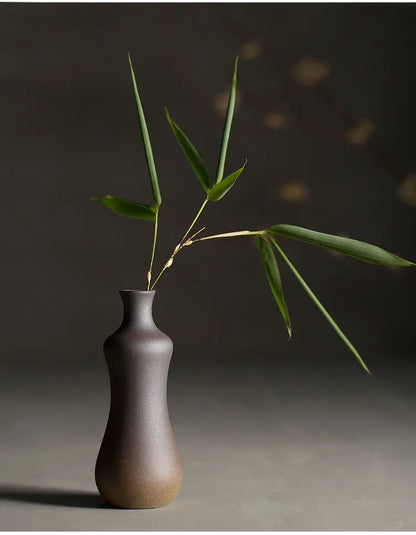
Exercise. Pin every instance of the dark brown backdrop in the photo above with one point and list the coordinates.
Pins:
(326, 118)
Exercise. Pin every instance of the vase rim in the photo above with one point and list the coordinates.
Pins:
(138, 291)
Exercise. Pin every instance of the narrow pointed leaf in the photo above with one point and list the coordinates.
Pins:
(146, 141)
(218, 191)
(191, 154)
(227, 125)
(273, 276)
(320, 306)
(347, 246)
(127, 208)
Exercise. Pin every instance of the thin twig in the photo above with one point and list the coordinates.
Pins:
(189, 240)
(230, 235)
(181, 243)
(149, 273)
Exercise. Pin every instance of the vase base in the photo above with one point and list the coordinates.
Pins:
(136, 508)
(120, 499)
(139, 505)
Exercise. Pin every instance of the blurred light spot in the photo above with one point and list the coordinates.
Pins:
(275, 120)
(310, 71)
(361, 132)
(407, 190)
(293, 192)
(251, 50)
(221, 101)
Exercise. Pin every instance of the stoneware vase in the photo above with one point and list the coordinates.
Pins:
(138, 465)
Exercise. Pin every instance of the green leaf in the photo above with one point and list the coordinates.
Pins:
(320, 306)
(273, 276)
(146, 141)
(191, 154)
(218, 191)
(354, 248)
(128, 208)
(227, 125)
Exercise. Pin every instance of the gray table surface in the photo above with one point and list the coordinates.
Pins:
(264, 447)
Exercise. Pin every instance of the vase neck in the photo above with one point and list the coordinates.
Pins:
(137, 308)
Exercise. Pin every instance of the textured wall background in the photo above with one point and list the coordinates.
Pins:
(326, 119)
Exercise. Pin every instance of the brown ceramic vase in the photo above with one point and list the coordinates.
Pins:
(138, 465)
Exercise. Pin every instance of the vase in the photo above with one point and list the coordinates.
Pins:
(138, 465)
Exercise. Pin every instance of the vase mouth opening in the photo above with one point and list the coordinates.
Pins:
(144, 292)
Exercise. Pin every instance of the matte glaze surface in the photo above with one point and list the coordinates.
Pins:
(138, 465)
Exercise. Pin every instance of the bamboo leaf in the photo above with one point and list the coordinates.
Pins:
(128, 208)
(146, 141)
(347, 246)
(320, 306)
(273, 276)
(218, 191)
(191, 154)
(227, 125)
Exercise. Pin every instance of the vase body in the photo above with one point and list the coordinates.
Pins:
(138, 465)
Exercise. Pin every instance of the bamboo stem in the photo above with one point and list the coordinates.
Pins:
(149, 273)
(228, 235)
(181, 243)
